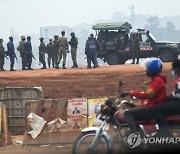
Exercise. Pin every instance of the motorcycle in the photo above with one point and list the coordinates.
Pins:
(96, 140)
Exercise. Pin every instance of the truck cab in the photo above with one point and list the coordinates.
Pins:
(150, 47)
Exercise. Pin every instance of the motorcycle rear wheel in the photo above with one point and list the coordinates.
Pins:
(82, 143)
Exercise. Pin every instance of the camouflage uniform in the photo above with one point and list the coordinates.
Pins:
(21, 49)
(63, 49)
(2, 55)
(28, 52)
(42, 51)
(73, 43)
(56, 50)
(50, 52)
(135, 47)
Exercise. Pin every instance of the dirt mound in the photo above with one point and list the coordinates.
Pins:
(81, 82)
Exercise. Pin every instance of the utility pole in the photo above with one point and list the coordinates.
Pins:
(132, 8)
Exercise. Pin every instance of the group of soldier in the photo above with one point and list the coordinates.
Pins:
(10, 52)
(56, 49)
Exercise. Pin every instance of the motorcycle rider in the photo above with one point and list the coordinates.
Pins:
(154, 95)
(172, 106)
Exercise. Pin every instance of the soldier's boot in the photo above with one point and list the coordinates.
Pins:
(49, 64)
(30, 68)
(133, 61)
(2, 69)
(64, 67)
(74, 65)
(137, 62)
(12, 69)
(88, 67)
(57, 66)
(44, 67)
(24, 67)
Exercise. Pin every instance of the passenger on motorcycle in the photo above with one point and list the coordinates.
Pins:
(154, 95)
(172, 106)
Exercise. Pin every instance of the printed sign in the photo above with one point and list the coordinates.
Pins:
(92, 120)
(77, 113)
(147, 48)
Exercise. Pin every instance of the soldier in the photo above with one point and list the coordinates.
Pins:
(42, 51)
(122, 39)
(73, 43)
(50, 52)
(28, 51)
(63, 49)
(2, 55)
(56, 50)
(135, 47)
(21, 49)
(11, 53)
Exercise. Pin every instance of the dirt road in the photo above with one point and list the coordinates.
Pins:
(81, 82)
(41, 149)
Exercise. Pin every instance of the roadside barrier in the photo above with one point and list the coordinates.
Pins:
(66, 117)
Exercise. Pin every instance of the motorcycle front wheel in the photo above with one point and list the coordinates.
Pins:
(82, 143)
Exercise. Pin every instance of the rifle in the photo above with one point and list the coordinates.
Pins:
(33, 57)
(16, 57)
(6, 55)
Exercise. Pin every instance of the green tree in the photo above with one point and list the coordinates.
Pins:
(170, 27)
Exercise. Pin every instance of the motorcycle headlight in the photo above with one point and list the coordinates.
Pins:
(105, 109)
(97, 109)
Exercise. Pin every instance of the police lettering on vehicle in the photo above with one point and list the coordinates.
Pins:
(146, 48)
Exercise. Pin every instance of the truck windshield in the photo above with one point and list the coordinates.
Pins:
(152, 36)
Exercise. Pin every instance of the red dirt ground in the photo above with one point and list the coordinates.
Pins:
(82, 82)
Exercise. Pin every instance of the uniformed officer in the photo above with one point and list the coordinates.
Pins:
(2, 55)
(63, 49)
(11, 53)
(56, 50)
(28, 51)
(42, 51)
(50, 52)
(135, 47)
(73, 43)
(21, 49)
(91, 48)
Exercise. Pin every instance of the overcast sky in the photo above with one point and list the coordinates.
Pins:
(27, 16)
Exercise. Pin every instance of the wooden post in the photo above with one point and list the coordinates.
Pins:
(5, 137)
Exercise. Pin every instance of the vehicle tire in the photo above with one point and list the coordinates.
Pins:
(82, 143)
(113, 58)
(166, 56)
